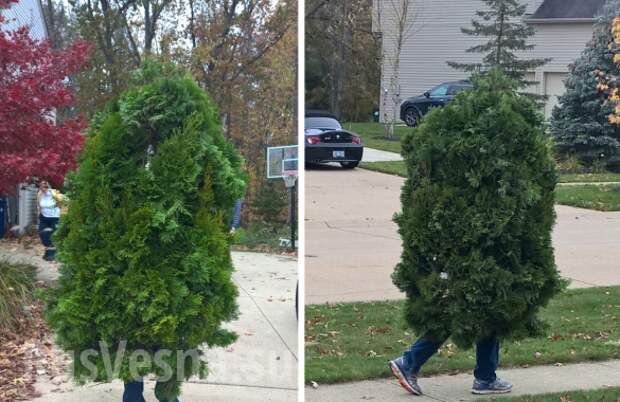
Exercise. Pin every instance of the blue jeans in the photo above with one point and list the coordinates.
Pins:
(47, 227)
(487, 357)
(133, 392)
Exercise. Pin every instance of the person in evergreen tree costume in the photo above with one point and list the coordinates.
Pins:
(146, 269)
(407, 367)
(134, 390)
(477, 214)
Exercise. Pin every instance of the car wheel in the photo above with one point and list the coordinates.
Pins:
(412, 117)
(349, 165)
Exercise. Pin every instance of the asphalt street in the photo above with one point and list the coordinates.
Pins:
(352, 245)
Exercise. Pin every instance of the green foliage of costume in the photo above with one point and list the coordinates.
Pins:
(144, 247)
(477, 214)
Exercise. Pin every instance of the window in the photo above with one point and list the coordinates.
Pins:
(438, 91)
(323, 123)
(455, 89)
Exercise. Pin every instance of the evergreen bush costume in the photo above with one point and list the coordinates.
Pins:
(477, 214)
(144, 248)
(580, 121)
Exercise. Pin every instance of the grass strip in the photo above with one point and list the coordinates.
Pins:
(353, 341)
(600, 198)
(611, 394)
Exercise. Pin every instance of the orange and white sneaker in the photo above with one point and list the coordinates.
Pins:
(408, 381)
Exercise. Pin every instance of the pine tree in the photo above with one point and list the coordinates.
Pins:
(144, 248)
(477, 214)
(580, 122)
(503, 24)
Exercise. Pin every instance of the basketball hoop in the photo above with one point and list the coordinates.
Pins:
(289, 177)
(282, 164)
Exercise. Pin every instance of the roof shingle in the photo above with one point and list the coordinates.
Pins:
(551, 9)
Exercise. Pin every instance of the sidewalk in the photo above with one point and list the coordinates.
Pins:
(46, 271)
(593, 183)
(377, 155)
(260, 366)
(451, 388)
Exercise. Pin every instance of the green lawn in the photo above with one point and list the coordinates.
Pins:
(373, 135)
(611, 394)
(589, 177)
(598, 197)
(398, 168)
(395, 167)
(601, 198)
(353, 341)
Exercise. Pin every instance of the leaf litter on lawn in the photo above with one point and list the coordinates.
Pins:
(26, 353)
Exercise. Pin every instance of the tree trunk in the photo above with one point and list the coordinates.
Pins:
(149, 29)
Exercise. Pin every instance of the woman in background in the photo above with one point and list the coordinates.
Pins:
(48, 206)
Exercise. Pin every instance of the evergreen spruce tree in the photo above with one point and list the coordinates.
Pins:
(502, 22)
(477, 214)
(144, 248)
(580, 122)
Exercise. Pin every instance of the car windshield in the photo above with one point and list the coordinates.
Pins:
(323, 123)
(455, 89)
(440, 90)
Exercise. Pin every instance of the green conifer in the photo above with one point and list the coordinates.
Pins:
(502, 23)
(144, 248)
(580, 123)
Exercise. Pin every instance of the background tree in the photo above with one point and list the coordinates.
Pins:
(403, 14)
(155, 188)
(342, 58)
(32, 89)
(502, 22)
(477, 216)
(246, 56)
(123, 32)
(580, 122)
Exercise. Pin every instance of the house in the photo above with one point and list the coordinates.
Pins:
(432, 37)
(29, 13)
(19, 209)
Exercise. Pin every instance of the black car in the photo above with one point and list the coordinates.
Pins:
(412, 110)
(327, 141)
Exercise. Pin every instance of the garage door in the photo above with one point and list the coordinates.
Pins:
(554, 87)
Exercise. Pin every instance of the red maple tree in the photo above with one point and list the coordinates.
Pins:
(33, 85)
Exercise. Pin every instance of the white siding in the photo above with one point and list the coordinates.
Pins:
(26, 12)
(27, 206)
(532, 6)
(436, 39)
(562, 42)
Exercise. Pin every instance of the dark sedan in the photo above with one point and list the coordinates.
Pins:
(413, 109)
(327, 141)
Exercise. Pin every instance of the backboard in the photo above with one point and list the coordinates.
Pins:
(282, 161)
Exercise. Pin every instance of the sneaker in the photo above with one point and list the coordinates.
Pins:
(498, 386)
(408, 381)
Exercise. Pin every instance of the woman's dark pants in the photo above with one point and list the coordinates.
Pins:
(47, 227)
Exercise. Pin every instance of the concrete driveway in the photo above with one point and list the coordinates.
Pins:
(261, 366)
(352, 245)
